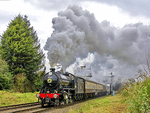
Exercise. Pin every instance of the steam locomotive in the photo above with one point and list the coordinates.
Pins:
(62, 88)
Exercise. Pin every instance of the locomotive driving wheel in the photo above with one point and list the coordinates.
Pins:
(57, 102)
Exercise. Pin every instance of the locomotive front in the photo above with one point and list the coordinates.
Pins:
(51, 80)
(52, 91)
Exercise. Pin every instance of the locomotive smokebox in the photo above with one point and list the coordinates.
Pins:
(52, 69)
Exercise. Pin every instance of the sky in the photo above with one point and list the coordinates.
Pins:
(105, 35)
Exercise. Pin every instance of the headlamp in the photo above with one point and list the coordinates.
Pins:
(37, 95)
(55, 96)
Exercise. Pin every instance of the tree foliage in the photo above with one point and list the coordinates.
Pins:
(38, 81)
(19, 85)
(20, 48)
(5, 76)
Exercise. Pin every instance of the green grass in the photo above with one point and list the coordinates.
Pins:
(100, 105)
(10, 98)
(107, 104)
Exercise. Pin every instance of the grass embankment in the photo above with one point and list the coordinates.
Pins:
(9, 98)
(138, 96)
(109, 104)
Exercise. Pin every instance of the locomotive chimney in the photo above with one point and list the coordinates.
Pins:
(52, 69)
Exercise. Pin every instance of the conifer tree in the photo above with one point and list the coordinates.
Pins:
(20, 48)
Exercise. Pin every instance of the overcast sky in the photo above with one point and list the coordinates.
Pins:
(41, 12)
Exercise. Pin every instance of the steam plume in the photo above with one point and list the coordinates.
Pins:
(77, 34)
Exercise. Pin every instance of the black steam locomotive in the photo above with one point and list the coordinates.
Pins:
(63, 88)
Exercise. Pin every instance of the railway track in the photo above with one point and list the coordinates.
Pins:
(36, 107)
(62, 106)
(18, 106)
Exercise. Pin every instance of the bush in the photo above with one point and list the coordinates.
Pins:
(19, 84)
(38, 83)
(138, 96)
(22, 84)
(6, 78)
(28, 86)
(4, 82)
(125, 93)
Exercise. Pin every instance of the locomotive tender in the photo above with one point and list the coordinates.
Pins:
(63, 88)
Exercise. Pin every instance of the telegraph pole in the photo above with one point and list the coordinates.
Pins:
(112, 76)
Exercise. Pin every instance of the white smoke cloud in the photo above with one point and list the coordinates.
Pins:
(78, 35)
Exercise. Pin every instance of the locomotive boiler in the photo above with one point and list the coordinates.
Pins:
(63, 88)
(56, 80)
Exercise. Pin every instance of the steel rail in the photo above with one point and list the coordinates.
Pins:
(18, 106)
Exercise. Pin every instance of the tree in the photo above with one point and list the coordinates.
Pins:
(20, 48)
(5, 76)
(38, 81)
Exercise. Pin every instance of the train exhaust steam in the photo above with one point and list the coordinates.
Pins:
(79, 39)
